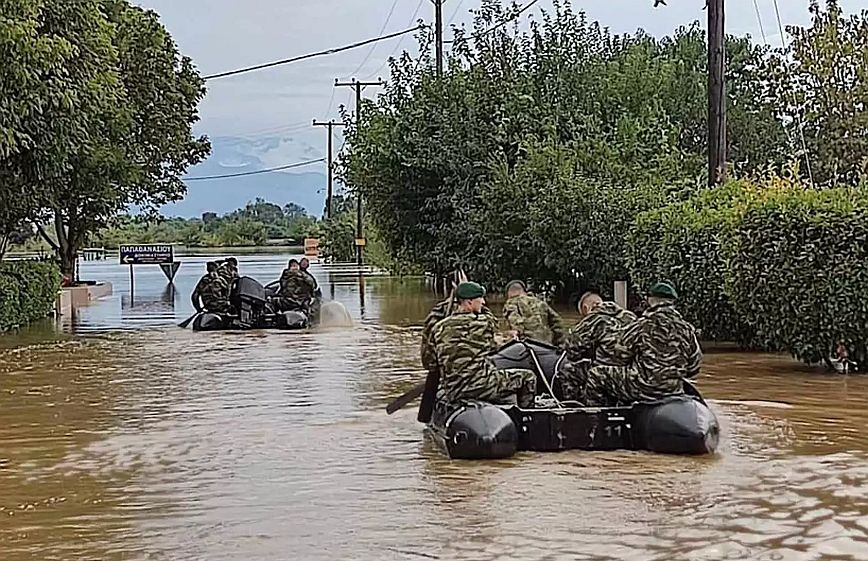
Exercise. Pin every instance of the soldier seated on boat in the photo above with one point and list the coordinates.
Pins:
(462, 343)
(211, 293)
(296, 289)
(599, 320)
(529, 316)
(649, 359)
(228, 269)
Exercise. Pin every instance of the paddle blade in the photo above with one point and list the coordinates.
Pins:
(186, 322)
(406, 398)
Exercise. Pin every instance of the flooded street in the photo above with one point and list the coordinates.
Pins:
(124, 437)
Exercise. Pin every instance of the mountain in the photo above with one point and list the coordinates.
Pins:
(231, 155)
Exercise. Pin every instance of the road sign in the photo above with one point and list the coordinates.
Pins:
(169, 269)
(152, 254)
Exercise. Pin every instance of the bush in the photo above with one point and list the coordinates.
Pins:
(798, 268)
(28, 290)
(681, 243)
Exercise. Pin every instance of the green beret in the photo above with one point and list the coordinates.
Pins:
(469, 291)
(663, 290)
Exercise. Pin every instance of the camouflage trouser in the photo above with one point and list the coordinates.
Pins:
(608, 386)
(573, 378)
(499, 386)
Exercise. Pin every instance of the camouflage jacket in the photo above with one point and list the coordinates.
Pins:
(532, 317)
(604, 321)
(213, 289)
(296, 285)
(462, 343)
(440, 311)
(660, 346)
(228, 272)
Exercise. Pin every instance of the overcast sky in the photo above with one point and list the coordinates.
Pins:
(226, 34)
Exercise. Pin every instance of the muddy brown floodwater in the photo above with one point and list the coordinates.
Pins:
(123, 437)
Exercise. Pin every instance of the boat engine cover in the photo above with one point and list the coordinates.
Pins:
(480, 431)
(681, 425)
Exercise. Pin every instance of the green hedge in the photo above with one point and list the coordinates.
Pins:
(681, 243)
(798, 268)
(28, 291)
(769, 263)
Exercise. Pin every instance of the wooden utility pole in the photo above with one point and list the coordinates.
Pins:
(330, 125)
(438, 35)
(716, 93)
(360, 231)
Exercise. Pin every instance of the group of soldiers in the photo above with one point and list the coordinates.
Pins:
(613, 356)
(213, 291)
(298, 287)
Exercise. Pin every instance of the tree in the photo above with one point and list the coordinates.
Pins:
(58, 73)
(561, 133)
(140, 142)
(820, 84)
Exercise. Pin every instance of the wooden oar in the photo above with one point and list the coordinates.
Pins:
(186, 322)
(415, 392)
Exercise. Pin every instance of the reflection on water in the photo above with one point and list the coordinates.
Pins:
(124, 437)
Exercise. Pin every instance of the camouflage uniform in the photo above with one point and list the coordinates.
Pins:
(583, 342)
(647, 361)
(228, 272)
(296, 289)
(534, 318)
(462, 343)
(441, 310)
(213, 289)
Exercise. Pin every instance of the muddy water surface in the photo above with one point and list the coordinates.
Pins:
(123, 437)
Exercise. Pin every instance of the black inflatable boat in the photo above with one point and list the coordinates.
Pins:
(478, 430)
(252, 300)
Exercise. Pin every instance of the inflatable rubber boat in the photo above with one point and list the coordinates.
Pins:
(479, 430)
(252, 300)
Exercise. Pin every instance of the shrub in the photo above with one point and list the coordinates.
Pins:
(798, 267)
(681, 243)
(28, 290)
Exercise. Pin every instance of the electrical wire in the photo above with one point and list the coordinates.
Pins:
(312, 55)
(257, 172)
(798, 115)
(400, 42)
(374, 47)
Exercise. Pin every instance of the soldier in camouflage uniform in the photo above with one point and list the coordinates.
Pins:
(531, 317)
(600, 320)
(462, 343)
(296, 288)
(650, 358)
(229, 270)
(213, 292)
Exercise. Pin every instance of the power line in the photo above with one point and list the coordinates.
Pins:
(244, 174)
(312, 55)
(400, 41)
(455, 13)
(798, 114)
(374, 47)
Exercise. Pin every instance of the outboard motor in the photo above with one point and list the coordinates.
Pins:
(478, 431)
(249, 299)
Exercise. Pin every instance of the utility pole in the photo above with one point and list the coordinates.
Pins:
(716, 93)
(360, 231)
(438, 35)
(330, 125)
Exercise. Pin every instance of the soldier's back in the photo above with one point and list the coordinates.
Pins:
(527, 315)
(461, 344)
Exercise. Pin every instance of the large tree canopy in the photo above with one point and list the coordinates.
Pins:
(97, 115)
